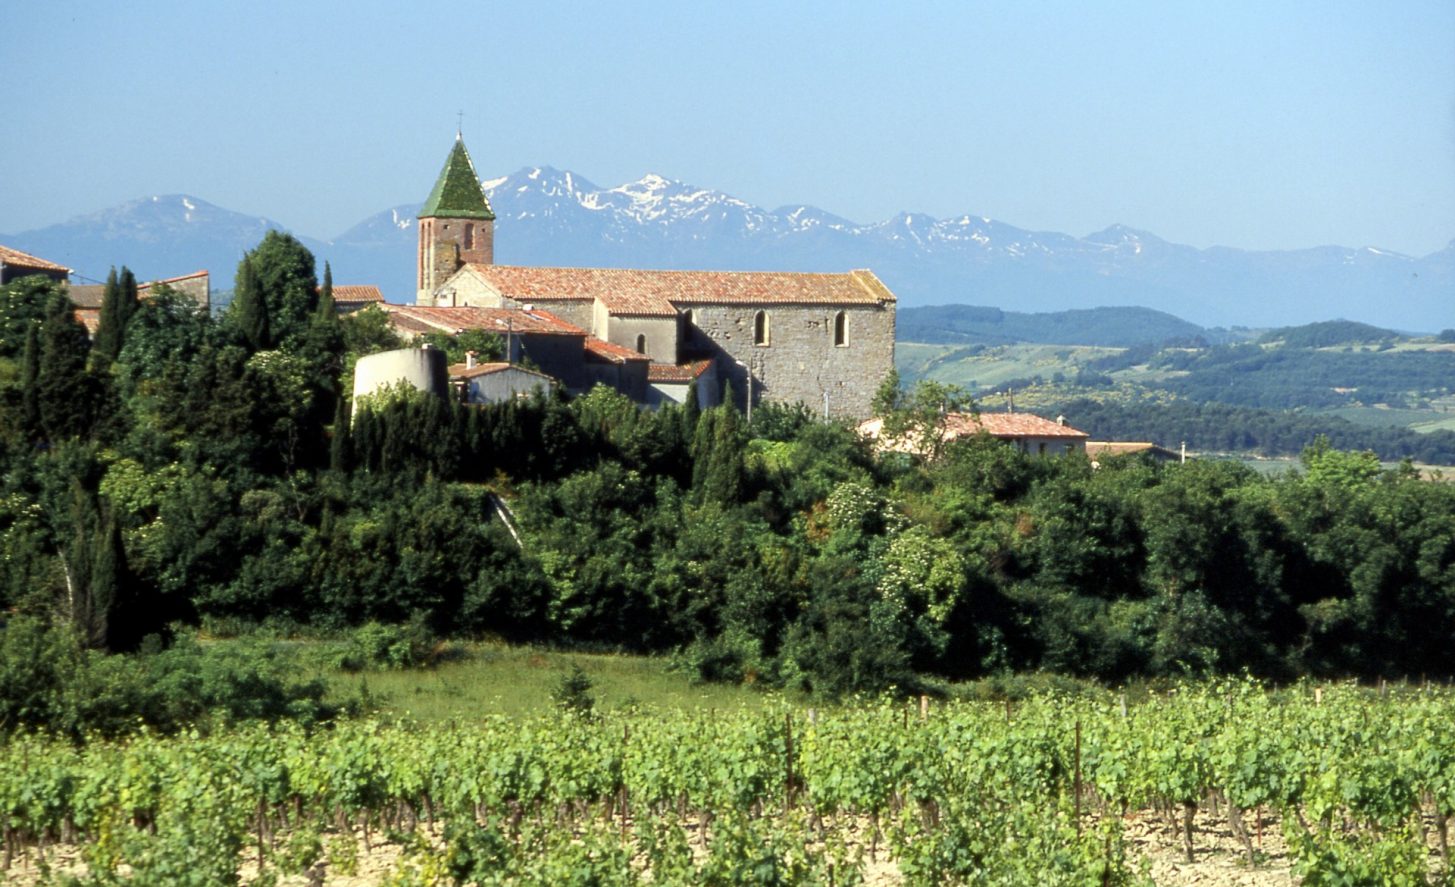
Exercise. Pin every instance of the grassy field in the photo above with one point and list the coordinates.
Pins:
(980, 367)
(477, 679)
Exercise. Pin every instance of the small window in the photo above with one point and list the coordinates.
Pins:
(641, 343)
(841, 332)
(760, 328)
(469, 235)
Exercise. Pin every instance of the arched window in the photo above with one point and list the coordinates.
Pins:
(760, 328)
(469, 235)
(641, 343)
(841, 330)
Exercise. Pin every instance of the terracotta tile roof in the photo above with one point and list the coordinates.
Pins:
(1008, 425)
(1096, 448)
(10, 256)
(1005, 426)
(357, 295)
(460, 371)
(172, 281)
(90, 295)
(679, 373)
(87, 295)
(418, 318)
(611, 352)
(635, 293)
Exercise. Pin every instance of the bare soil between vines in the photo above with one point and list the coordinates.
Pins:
(1152, 840)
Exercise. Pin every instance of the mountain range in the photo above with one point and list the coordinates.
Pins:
(554, 217)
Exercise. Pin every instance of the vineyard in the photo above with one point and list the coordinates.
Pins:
(1360, 783)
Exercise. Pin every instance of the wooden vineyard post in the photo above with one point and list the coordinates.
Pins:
(787, 761)
(1076, 783)
(924, 707)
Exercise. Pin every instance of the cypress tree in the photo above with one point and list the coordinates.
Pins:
(251, 309)
(130, 302)
(326, 312)
(30, 383)
(61, 381)
(107, 344)
(340, 454)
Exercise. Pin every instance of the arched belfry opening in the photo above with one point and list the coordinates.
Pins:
(841, 330)
(761, 330)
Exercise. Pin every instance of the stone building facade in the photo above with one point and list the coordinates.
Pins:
(823, 340)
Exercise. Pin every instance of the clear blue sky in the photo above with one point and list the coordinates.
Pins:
(1248, 124)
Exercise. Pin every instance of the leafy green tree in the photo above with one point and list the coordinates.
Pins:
(915, 420)
(288, 283)
(486, 345)
(367, 331)
(23, 305)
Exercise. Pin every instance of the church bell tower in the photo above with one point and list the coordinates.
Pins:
(456, 224)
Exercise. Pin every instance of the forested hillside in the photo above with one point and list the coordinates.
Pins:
(187, 470)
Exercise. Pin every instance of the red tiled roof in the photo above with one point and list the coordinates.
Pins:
(195, 275)
(1005, 426)
(679, 373)
(357, 294)
(611, 352)
(90, 295)
(459, 370)
(417, 318)
(10, 256)
(636, 293)
(1125, 448)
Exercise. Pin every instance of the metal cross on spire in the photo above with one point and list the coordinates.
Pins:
(459, 124)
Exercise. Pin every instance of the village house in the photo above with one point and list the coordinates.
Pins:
(1028, 433)
(87, 298)
(15, 264)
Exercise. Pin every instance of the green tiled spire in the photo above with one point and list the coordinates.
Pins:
(457, 193)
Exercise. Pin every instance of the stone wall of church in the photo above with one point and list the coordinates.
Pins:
(658, 335)
(800, 361)
(447, 244)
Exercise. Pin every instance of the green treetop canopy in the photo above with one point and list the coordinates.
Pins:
(457, 193)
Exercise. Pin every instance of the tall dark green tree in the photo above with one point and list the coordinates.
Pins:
(118, 304)
(326, 312)
(62, 384)
(29, 379)
(250, 308)
(340, 456)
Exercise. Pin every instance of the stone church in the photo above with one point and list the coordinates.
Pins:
(823, 340)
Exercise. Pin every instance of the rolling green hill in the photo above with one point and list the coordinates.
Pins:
(1115, 327)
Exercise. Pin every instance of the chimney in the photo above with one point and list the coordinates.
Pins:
(1061, 420)
(471, 358)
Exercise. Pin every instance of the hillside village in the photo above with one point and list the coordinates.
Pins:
(719, 470)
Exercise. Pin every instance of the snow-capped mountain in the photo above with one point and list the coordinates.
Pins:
(555, 217)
